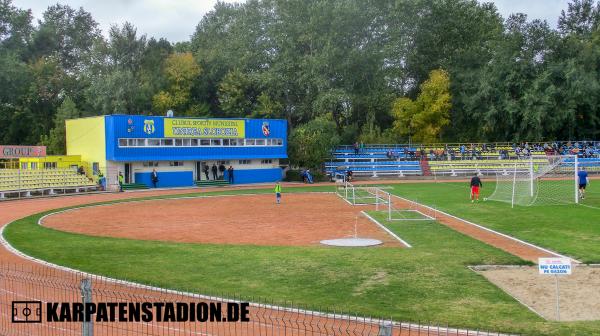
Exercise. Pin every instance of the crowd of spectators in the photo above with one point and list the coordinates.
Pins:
(584, 149)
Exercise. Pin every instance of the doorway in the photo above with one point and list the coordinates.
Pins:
(127, 173)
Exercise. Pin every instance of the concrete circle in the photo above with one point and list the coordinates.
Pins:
(352, 242)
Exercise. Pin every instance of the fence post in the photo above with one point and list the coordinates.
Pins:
(87, 328)
(385, 329)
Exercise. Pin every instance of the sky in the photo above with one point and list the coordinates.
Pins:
(176, 20)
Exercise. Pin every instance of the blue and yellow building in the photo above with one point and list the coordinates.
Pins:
(179, 149)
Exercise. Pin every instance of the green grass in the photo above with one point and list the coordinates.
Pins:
(573, 230)
(429, 282)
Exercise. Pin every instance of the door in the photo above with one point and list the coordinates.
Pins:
(198, 170)
(127, 173)
(203, 166)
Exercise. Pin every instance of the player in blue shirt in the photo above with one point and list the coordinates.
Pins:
(583, 181)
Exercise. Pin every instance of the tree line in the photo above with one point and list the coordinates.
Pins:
(338, 71)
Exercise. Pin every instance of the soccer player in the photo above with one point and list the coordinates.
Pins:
(278, 192)
(583, 181)
(475, 185)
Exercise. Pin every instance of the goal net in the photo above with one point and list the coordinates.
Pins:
(538, 180)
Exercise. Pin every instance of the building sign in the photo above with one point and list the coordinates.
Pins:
(15, 152)
(554, 266)
(204, 128)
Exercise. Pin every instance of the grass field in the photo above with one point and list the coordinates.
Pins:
(429, 282)
(573, 230)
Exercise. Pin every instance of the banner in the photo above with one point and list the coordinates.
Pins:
(204, 128)
(15, 152)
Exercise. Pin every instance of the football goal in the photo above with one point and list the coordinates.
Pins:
(538, 180)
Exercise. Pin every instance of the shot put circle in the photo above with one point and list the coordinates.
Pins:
(352, 242)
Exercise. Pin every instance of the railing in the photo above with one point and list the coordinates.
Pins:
(54, 294)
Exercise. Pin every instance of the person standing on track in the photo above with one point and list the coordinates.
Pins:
(475, 185)
(214, 170)
(230, 170)
(583, 181)
(278, 192)
(121, 180)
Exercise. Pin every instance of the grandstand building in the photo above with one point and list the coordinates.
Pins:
(179, 149)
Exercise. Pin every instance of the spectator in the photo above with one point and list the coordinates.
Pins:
(463, 151)
(349, 176)
(356, 149)
(154, 177)
(206, 172)
(230, 177)
(221, 171)
(214, 171)
(121, 180)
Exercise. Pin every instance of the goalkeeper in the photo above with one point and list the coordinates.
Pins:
(475, 185)
(582, 175)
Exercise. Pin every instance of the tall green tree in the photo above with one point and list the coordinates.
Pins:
(423, 119)
(56, 140)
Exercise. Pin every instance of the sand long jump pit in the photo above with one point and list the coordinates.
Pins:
(302, 219)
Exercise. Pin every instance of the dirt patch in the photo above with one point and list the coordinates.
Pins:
(301, 219)
(377, 279)
(579, 292)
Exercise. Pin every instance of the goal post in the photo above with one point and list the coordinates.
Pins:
(539, 180)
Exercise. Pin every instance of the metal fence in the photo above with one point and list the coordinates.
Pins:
(26, 293)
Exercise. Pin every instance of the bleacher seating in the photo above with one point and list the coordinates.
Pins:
(453, 159)
(16, 182)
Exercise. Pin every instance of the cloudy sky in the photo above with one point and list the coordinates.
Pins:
(176, 20)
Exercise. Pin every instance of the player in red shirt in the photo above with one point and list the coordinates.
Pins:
(475, 185)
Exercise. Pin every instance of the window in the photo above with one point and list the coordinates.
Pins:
(150, 164)
(34, 165)
(235, 142)
(166, 142)
(225, 142)
(244, 162)
(153, 142)
(204, 142)
(194, 142)
(279, 142)
(176, 163)
(186, 142)
(49, 165)
(249, 142)
(130, 142)
(215, 142)
(23, 165)
(268, 161)
(122, 142)
(260, 142)
(225, 163)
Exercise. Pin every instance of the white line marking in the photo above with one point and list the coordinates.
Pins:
(386, 229)
(490, 230)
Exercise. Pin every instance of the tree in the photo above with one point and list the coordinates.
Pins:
(181, 70)
(56, 140)
(309, 143)
(423, 119)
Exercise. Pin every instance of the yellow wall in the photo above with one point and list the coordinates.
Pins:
(86, 137)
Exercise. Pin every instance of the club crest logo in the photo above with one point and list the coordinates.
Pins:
(149, 126)
(266, 129)
(130, 126)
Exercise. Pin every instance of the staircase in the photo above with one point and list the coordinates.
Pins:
(211, 183)
(134, 186)
(425, 168)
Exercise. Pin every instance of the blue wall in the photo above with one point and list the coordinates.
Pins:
(127, 126)
(167, 179)
(241, 176)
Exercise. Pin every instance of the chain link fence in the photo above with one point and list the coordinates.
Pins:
(29, 296)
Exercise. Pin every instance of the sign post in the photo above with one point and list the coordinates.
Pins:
(556, 267)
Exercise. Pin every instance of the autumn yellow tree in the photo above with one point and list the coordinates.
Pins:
(424, 118)
(181, 70)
